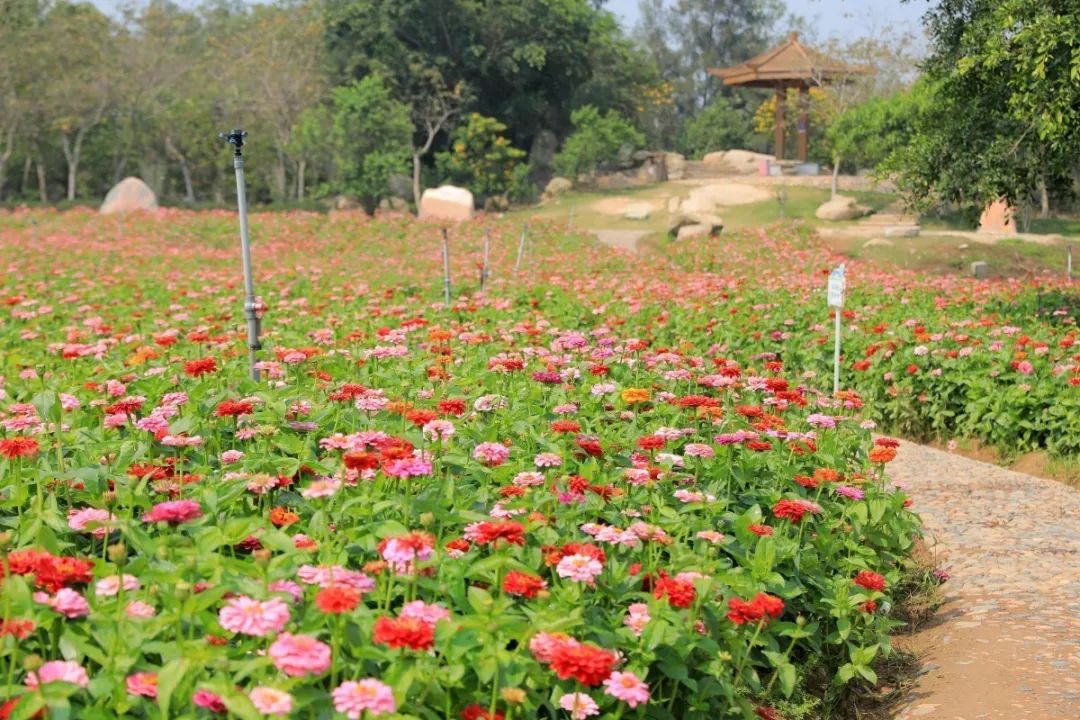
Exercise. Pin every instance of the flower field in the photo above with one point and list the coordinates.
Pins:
(611, 485)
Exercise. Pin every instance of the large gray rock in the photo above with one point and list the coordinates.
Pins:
(557, 186)
(739, 162)
(685, 219)
(128, 195)
(447, 203)
(841, 207)
(637, 211)
(542, 156)
(688, 232)
(675, 165)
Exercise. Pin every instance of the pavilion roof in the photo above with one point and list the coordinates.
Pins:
(791, 63)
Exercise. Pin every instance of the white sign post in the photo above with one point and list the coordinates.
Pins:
(836, 301)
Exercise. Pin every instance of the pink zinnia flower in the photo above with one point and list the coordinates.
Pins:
(67, 602)
(547, 460)
(420, 610)
(139, 609)
(847, 491)
(143, 683)
(269, 701)
(299, 655)
(353, 698)
(81, 520)
(174, 512)
(579, 705)
(58, 671)
(230, 456)
(208, 700)
(491, 454)
(581, 568)
(249, 616)
(438, 429)
(626, 686)
(699, 450)
(323, 487)
(110, 586)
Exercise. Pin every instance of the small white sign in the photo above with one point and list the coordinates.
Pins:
(836, 287)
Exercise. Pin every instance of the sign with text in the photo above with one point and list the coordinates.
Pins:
(836, 287)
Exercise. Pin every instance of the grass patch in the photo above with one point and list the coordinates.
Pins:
(1063, 225)
(800, 204)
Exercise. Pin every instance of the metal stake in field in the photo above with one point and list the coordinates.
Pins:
(1068, 264)
(487, 251)
(236, 139)
(521, 246)
(446, 265)
(836, 301)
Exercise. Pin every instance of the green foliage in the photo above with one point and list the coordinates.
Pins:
(597, 140)
(720, 126)
(482, 159)
(1004, 116)
(868, 133)
(372, 137)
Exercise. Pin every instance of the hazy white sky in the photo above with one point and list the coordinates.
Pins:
(828, 18)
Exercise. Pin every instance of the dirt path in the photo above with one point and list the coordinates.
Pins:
(1006, 645)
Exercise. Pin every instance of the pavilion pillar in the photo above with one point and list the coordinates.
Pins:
(781, 102)
(804, 123)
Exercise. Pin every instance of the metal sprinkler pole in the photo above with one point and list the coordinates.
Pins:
(521, 246)
(446, 265)
(236, 139)
(1068, 264)
(484, 269)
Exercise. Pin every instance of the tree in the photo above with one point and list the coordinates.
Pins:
(1004, 117)
(597, 140)
(518, 58)
(718, 127)
(16, 77)
(867, 134)
(434, 106)
(77, 91)
(372, 135)
(482, 159)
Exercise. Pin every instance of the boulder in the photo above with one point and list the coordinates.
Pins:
(902, 231)
(687, 232)
(393, 204)
(877, 242)
(997, 218)
(129, 194)
(738, 162)
(685, 219)
(673, 204)
(725, 194)
(496, 203)
(637, 211)
(448, 203)
(676, 166)
(344, 202)
(841, 207)
(557, 186)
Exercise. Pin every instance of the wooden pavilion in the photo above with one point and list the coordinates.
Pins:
(789, 66)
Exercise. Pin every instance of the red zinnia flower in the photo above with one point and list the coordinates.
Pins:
(760, 530)
(196, 368)
(881, 455)
(361, 460)
(588, 664)
(488, 532)
(233, 408)
(478, 712)
(651, 442)
(522, 584)
(794, 510)
(565, 426)
(404, 632)
(679, 593)
(17, 447)
(762, 607)
(870, 581)
(452, 406)
(337, 599)
(590, 445)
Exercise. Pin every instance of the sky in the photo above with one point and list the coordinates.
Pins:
(844, 19)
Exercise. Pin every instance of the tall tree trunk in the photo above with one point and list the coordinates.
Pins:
(280, 189)
(835, 176)
(301, 165)
(185, 170)
(72, 152)
(416, 179)
(42, 181)
(1044, 196)
(9, 143)
(3, 165)
(24, 189)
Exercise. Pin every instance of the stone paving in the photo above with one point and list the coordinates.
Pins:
(1006, 645)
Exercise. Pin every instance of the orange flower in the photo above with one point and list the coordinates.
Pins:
(882, 455)
(633, 396)
(283, 517)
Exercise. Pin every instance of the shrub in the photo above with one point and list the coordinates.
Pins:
(597, 140)
(482, 159)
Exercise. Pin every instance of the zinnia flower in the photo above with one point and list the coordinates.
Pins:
(299, 655)
(174, 512)
(58, 671)
(579, 705)
(870, 581)
(143, 683)
(257, 618)
(626, 686)
(269, 701)
(404, 632)
(354, 698)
